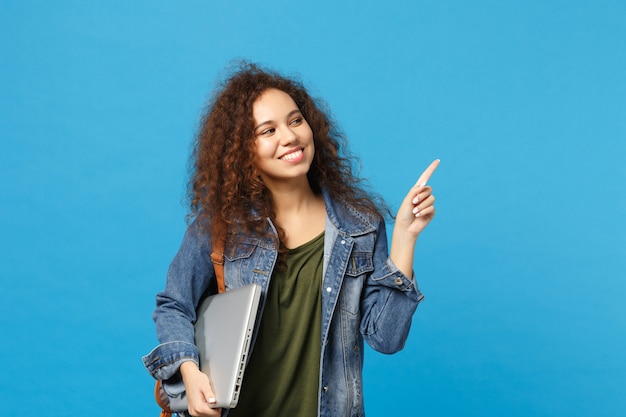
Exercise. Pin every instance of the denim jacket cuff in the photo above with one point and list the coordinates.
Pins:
(394, 278)
(164, 360)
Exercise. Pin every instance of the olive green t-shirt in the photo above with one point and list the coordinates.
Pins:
(282, 377)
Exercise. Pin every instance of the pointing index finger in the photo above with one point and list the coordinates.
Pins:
(423, 179)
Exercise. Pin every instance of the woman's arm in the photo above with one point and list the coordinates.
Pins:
(415, 213)
(188, 278)
(391, 295)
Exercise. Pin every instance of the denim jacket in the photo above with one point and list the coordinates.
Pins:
(364, 297)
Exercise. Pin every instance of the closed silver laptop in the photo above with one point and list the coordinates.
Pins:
(223, 335)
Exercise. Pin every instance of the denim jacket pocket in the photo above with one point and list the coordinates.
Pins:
(360, 264)
(242, 263)
(239, 251)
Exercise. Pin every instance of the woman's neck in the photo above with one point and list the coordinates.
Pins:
(300, 213)
(291, 196)
(293, 202)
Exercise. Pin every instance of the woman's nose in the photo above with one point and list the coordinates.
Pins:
(288, 136)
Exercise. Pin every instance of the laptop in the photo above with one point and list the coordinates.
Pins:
(223, 334)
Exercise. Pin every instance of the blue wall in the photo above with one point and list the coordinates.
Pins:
(523, 267)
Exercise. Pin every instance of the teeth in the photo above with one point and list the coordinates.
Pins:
(291, 156)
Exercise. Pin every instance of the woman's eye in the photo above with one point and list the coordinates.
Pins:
(296, 121)
(268, 131)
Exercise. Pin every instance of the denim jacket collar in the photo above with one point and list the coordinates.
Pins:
(346, 218)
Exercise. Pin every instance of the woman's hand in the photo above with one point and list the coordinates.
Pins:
(415, 212)
(417, 209)
(199, 392)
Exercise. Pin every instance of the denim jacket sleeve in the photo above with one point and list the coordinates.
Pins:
(388, 302)
(188, 279)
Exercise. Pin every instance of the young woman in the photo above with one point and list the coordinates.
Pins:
(271, 165)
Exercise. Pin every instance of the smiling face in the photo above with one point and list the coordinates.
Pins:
(283, 139)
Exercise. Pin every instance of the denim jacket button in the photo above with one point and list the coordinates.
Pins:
(325, 389)
(398, 281)
(329, 289)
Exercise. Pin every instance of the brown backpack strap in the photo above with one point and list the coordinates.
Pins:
(162, 400)
(217, 256)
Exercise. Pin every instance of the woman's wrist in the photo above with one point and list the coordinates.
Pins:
(188, 368)
(401, 254)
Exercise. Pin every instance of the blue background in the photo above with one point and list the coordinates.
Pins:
(523, 267)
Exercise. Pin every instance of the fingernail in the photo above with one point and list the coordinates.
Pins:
(417, 214)
(416, 211)
(416, 200)
(212, 400)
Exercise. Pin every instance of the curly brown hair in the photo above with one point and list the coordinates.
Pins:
(225, 182)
